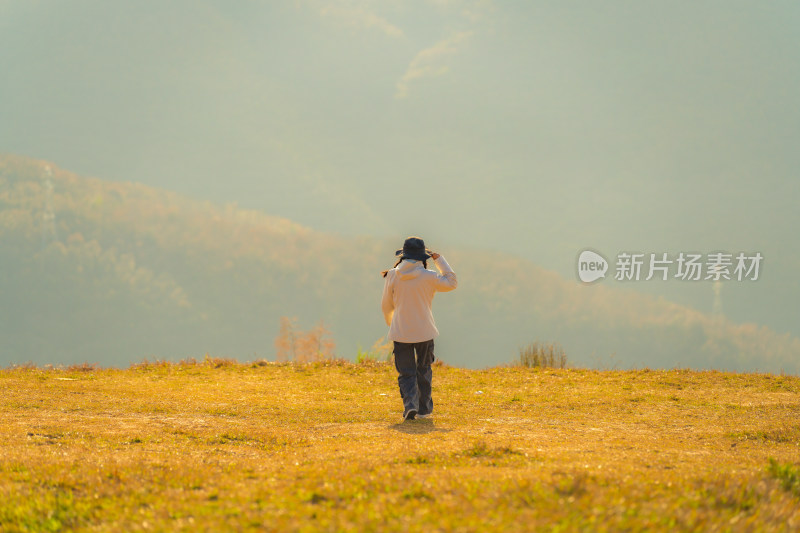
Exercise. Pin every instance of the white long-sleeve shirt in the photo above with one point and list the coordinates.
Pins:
(407, 297)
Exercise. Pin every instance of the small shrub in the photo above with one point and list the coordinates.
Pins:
(292, 344)
(542, 356)
(380, 351)
(363, 356)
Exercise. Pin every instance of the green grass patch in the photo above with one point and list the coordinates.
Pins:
(787, 474)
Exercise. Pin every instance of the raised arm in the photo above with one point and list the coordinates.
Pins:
(446, 280)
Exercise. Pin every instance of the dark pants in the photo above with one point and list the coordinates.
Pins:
(415, 374)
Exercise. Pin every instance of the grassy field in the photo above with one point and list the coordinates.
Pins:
(216, 446)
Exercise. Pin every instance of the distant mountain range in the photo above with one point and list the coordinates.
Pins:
(107, 272)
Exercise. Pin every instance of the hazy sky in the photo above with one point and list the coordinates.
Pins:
(536, 128)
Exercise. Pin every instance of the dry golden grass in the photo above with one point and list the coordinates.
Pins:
(218, 446)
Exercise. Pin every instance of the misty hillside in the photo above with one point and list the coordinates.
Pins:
(115, 272)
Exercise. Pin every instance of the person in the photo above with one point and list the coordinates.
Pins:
(408, 293)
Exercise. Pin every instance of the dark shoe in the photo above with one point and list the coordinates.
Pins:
(425, 416)
(410, 414)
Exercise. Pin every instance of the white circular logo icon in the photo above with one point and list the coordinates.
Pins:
(591, 266)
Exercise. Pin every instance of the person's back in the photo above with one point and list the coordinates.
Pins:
(411, 288)
(408, 294)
